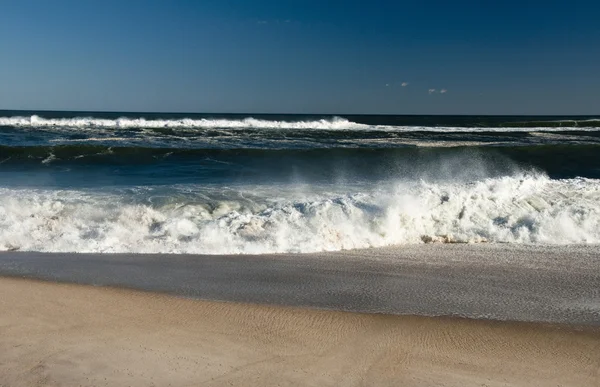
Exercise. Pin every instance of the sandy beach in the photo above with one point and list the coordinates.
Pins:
(71, 335)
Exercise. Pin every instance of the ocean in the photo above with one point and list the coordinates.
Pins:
(257, 184)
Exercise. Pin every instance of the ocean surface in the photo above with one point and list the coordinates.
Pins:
(255, 184)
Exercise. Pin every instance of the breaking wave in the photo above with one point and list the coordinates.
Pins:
(184, 123)
(518, 209)
(330, 123)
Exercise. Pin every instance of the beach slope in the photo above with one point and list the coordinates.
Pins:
(70, 335)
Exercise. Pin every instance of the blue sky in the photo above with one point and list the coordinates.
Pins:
(489, 57)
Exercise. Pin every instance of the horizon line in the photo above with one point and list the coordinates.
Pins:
(293, 114)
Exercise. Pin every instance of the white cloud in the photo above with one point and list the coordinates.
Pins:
(431, 91)
(274, 21)
(443, 91)
(404, 84)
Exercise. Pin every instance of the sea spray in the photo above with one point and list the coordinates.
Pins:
(530, 209)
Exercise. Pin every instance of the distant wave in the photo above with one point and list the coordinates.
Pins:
(529, 209)
(333, 123)
(90, 122)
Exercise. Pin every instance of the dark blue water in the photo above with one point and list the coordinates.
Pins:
(130, 148)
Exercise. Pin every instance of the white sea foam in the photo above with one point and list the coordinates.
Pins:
(518, 209)
(184, 123)
(335, 123)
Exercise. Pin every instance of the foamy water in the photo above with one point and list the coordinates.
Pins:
(333, 123)
(189, 123)
(517, 209)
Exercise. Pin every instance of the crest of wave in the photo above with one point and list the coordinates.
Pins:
(334, 123)
(90, 122)
(518, 209)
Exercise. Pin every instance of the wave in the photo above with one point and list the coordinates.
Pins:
(334, 123)
(331, 123)
(530, 209)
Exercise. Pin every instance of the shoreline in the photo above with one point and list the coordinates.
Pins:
(551, 284)
(66, 334)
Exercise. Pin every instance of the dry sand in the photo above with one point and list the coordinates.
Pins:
(71, 335)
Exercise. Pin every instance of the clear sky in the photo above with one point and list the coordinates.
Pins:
(302, 56)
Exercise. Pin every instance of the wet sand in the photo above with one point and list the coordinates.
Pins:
(70, 335)
(556, 284)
